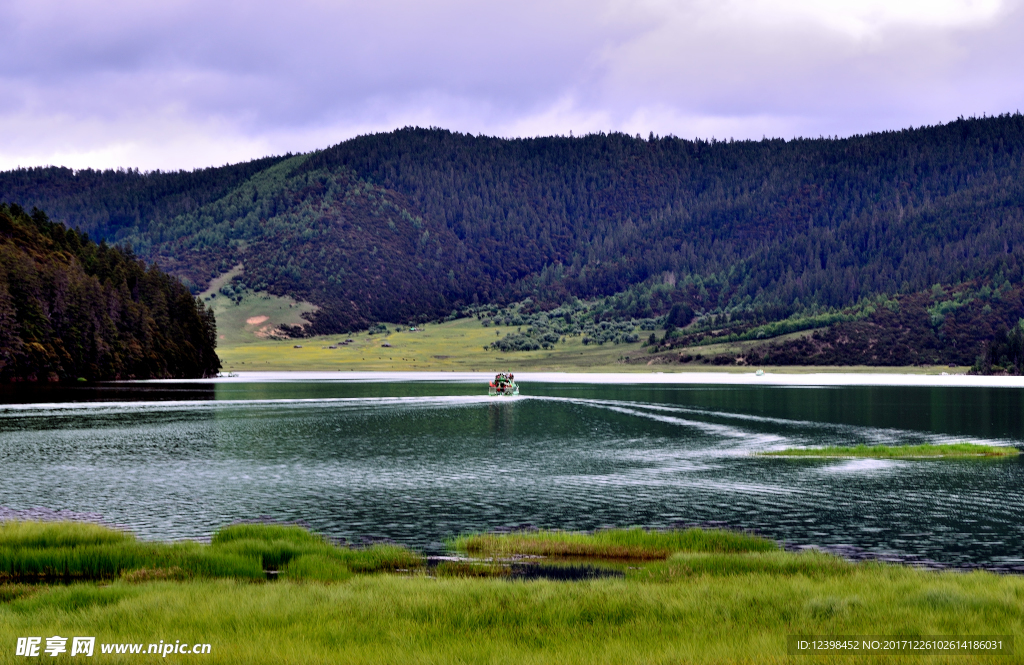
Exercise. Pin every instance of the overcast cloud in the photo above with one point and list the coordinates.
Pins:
(189, 83)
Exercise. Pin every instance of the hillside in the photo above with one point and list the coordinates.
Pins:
(70, 308)
(416, 223)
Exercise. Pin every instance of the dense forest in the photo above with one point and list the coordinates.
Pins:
(71, 308)
(962, 327)
(417, 223)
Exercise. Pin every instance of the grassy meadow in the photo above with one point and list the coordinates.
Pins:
(707, 597)
(246, 322)
(455, 346)
(955, 450)
(253, 316)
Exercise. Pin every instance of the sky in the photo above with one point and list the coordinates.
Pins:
(183, 84)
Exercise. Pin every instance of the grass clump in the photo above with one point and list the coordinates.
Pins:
(276, 545)
(9, 592)
(470, 569)
(780, 564)
(36, 551)
(316, 568)
(155, 575)
(41, 535)
(900, 452)
(381, 558)
(71, 551)
(639, 544)
(289, 533)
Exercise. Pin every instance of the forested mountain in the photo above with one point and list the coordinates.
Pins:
(418, 222)
(70, 308)
(111, 204)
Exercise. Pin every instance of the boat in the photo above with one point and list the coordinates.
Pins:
(503, 385)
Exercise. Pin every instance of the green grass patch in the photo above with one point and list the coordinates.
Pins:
(461, 345)
(276, 545)
(735, 618)
(289, 533)
(35, 535)
(72, 550)
(95, 562)
(900, 452)
(716, 597)
(785, 564)
(33, 551)
(638, 544)
(316, 568)
(471, 569)
(245, 316)
(9, 592)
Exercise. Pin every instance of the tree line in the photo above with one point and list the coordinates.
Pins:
(71, 308)
(417, 223)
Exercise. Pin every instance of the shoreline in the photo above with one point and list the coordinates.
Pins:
(816, 379)
(848, 552)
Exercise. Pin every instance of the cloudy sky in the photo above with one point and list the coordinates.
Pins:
(189, 83)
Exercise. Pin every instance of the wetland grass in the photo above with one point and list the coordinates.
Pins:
(75, 551)
(316, 568)
(714, 598)
(637, 544)
(276, 545)
(35, 551)
(741, 617)
(958, 450)
(817, 565)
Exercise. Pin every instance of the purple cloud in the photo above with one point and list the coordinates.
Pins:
(187, 83)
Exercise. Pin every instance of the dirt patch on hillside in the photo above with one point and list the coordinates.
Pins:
(270, 332)
(256, 320)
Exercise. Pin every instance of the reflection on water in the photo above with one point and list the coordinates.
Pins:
(420, 462)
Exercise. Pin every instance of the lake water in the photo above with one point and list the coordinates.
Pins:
(420, 461)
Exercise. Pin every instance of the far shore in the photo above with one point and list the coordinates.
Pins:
(466, 347)
(812, 377)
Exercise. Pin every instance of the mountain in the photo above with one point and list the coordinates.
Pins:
(71, 308)
(416, 223)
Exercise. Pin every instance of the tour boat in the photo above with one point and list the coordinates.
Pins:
(503, 385)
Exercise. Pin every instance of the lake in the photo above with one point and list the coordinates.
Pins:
(420, 461)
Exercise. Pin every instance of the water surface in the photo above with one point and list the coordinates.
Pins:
(418, 462)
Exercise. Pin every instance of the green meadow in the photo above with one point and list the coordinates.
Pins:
(697, 597)
(250, 316)
(956, 450)
(247, 324)
(455, 346)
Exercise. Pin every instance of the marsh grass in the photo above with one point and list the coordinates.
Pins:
(716, 598)
(9, 592)
(290, 533)
(635, 544)
(815, 565)
(471, 569)
(276, 545)
(16, 535)
(316, 568)
(742, 617)
(959, 450)
(32, 551)
(94, 562)
(155, 575)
